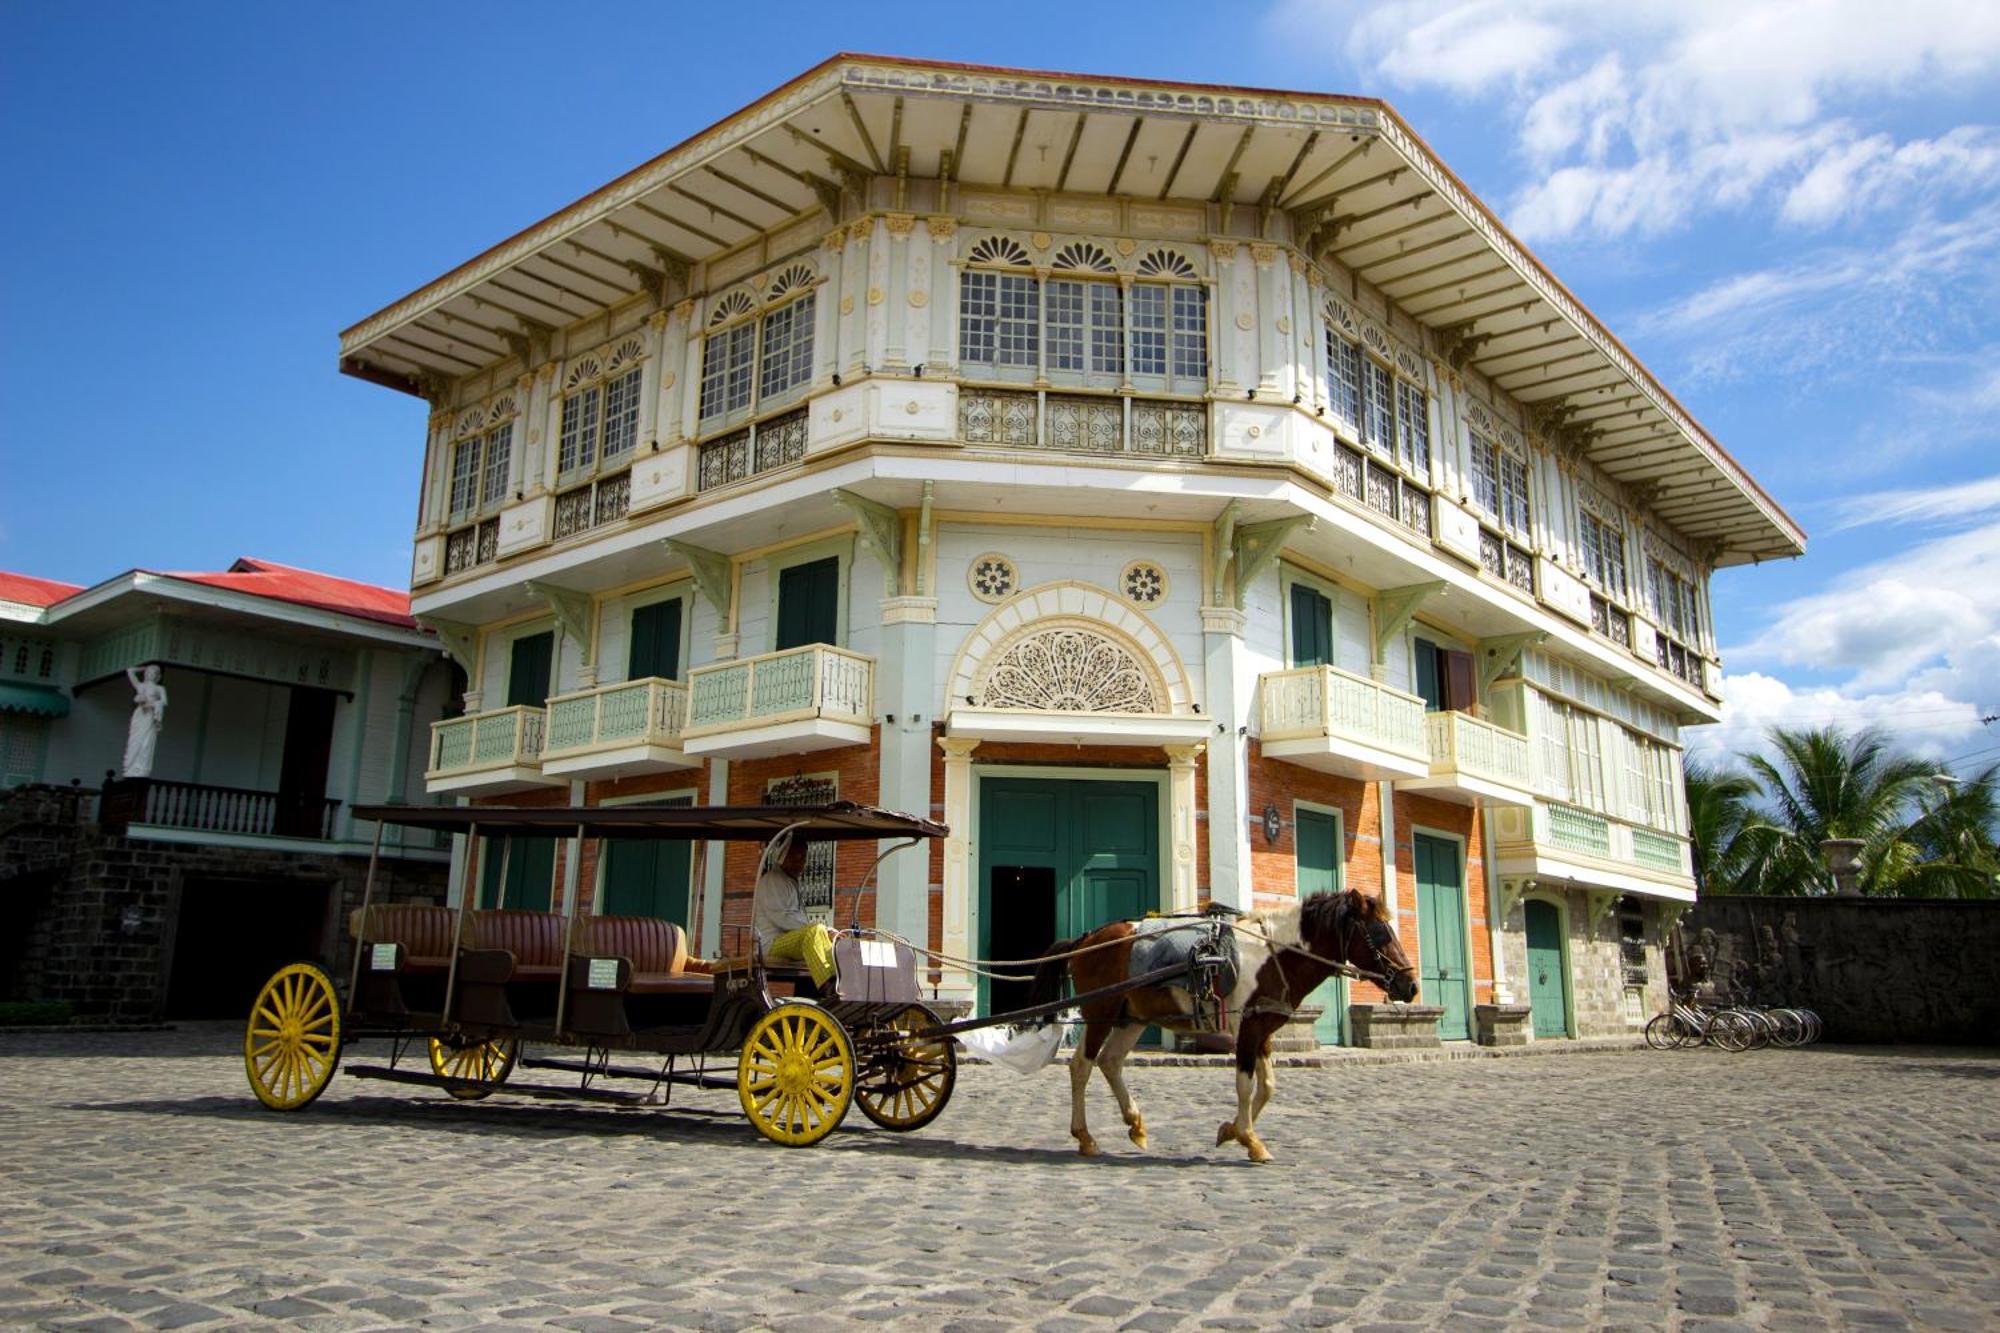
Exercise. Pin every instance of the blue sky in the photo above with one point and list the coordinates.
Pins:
(1790, 211)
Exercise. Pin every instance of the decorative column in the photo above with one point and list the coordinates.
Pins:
(826, 308)
(1228, 686)
(896, 317)
(690, 394)
(957, 941)
(943, 286)
(905, 687)
(1271, 321)
(1225, 314)
(546, 432)
(1180, 817)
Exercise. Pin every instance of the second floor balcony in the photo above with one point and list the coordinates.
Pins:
(815, 697)
(631, 727)
(499, 750)
(1473, 758)
(1324, 718)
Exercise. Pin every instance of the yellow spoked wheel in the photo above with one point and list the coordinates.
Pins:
(796, 1074)
(482, 1065)
(905, 1081)
(292, 1042)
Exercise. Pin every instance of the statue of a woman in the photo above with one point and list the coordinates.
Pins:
(149, 712)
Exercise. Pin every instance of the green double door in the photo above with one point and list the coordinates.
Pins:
(1058, 858)
(1442, 965)
(648, 877)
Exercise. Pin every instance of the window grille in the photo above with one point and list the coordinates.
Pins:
(725, 370)
(1343, 377)
(1603, 553)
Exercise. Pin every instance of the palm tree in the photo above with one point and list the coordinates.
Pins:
(1956, 840)
(1829, 783)
(1731, 839)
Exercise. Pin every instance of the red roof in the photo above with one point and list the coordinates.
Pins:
(31, 591)
(304, 587)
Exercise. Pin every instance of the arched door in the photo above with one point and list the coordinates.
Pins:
(1548, 982)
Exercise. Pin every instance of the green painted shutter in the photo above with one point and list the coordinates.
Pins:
(528, 670)
(649, 877)
(1312, 627)
(531, 870)
(1429, 685)
(809, 603)
(656, 641)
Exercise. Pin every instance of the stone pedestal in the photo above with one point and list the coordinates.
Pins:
(1295, 1037)
(1394, 1027)
(1500, 1024)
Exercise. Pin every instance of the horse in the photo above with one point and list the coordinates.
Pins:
(1283, 954)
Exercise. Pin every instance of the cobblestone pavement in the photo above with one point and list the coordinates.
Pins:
(140, 1184)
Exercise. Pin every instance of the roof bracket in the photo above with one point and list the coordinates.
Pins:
(710, 570)
(572, 612)
(1395, 608)
(460, 642)
(1458, 342)
(1225, 195)
(881, 533)
(1256, 546)
(1501, 654)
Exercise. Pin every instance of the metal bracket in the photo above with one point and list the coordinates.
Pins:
(881, 532)
(710, 570)
(1395, 608)
(1257, 546)
(460, 642)
(572, 612)
(1498, 654)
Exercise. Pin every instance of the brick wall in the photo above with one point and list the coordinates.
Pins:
(857, 774)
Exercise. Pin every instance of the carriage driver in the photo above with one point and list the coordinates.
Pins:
(778, 912)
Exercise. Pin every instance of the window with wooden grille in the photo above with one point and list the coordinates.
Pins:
(600, 424)
(756, 357)
(1500, 495)
(1603, 553)
(1391, 418)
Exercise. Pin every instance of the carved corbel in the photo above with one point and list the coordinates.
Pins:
(1256, 546)
(710, 570)
(1223, 545)
(1395, 608)
(460, 643)
(572, 612)
(1225, 195)
(1502, 653)
(1457, 343)
(881, 532)
(1602, 903)
(829, 195)
(1512, 890)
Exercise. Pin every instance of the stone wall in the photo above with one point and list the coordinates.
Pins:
(95, 915)
(1874, 969)
(1599, 1005)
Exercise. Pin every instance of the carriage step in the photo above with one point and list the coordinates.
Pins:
(388, 1075)
(694, 1079)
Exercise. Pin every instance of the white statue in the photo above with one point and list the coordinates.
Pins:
(149, 712)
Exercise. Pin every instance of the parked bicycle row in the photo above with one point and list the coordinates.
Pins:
(1731, 1027)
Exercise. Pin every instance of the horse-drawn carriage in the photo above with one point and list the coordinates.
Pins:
(469, 986)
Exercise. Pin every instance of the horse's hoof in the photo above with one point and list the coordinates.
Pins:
(1138, 1135)
(1258, 1152)
(1088, 1147)
(1225, 1133)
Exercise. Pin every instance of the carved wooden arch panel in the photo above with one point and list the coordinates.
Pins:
(1070, 647)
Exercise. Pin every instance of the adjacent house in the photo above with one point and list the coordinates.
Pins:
(1190, 494)
(290, 696)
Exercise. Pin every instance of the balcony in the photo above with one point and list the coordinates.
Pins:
(1473, 758)
(1083, 423)
(1337, 722)
(200, 807)
(1558, 843)
(617, 730)
(499, 750)
(816, 697)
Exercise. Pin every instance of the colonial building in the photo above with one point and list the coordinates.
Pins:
(290, 696)
(1189, 494)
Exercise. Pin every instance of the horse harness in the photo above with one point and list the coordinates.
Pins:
(1374, 933)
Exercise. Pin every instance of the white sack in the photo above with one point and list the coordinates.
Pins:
(1023, 1050)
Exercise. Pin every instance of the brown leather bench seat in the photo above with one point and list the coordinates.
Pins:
(653, 951)
(534, 940)
(420, 932)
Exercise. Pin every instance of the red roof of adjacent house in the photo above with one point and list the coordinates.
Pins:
(31, 591)
(304, 587)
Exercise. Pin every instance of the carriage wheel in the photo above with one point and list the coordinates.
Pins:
(795, 1076)
(906, 1081)
(480, 1066)
(292, 1041)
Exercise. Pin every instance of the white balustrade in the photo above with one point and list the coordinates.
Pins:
(496, 738)
(1326, 701)
(1462, 744)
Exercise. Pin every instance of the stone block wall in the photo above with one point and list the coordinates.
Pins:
(1597, 985)
(1874, 969)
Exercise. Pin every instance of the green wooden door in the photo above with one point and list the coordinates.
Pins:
(1547, 981)
(809, 604)
(656, 642)
(648, 878)
(1071, 854)
(530, 873)
(1316, 846)
(1441, 953)
(529, 666)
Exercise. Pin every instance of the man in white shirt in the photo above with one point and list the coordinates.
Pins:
(778, 913)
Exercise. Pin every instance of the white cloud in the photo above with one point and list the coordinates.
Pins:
(1637, 113)
(1927, 722)
(1954, 500)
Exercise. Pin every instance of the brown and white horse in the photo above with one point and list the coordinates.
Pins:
(1282, 956)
